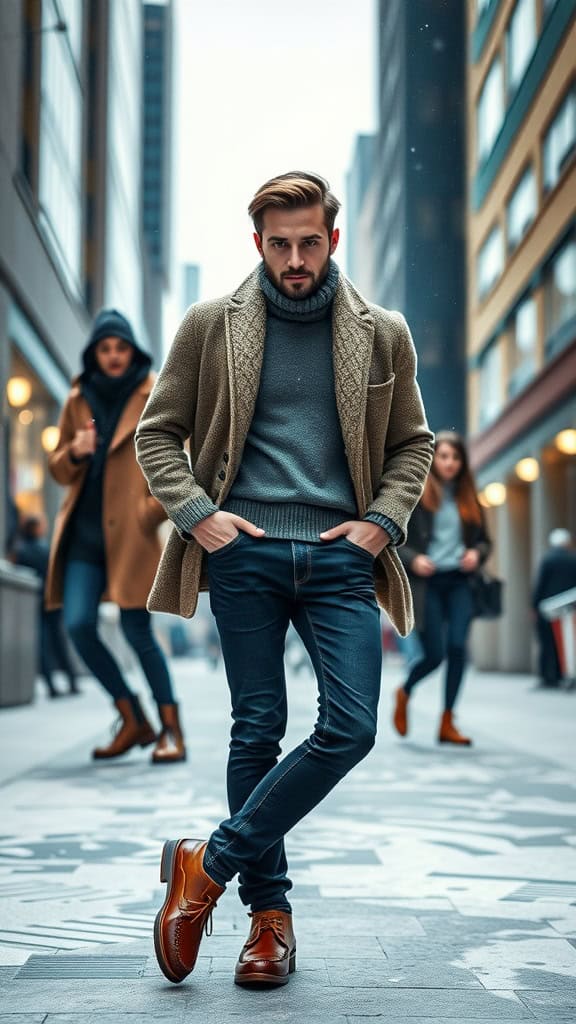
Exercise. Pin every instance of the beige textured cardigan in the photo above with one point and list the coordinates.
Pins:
(206, 393)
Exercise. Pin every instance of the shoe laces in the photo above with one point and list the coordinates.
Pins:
(196, 910)
(273, 923)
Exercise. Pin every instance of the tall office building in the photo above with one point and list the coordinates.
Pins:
(190, 284)
(71, 214)
(418, 258)
(156, 150)
(359, 215)
(522, 291)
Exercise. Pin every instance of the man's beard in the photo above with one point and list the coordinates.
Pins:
(299, 290)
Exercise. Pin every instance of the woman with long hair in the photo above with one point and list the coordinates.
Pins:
(105, 545)
(447, 542)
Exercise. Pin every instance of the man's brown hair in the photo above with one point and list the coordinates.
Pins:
(294, 190)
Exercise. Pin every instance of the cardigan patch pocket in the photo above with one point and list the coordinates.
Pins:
(378, 405)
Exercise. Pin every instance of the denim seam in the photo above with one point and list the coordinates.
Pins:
(212, 860)
(326, 723)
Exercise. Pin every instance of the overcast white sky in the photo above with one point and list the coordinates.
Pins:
(261, 88)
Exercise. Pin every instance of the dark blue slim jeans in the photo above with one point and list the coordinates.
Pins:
(84, 585)
(257, 586)
(447, 616)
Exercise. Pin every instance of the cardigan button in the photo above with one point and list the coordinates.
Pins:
(221, 475)
(226, 457)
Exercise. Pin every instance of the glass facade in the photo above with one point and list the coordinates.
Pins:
(490, 110)
(520, 42)
(490, 262)
(123, 280)
(33, 415)
(522, 208)
(61, 114)
(560, 140)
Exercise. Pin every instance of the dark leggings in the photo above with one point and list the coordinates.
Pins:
(84, 585)
(447, 617)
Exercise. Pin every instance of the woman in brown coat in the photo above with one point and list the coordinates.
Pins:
(105, 545)
(447, 542)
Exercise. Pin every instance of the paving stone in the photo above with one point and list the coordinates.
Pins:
(22, 1018)
(553, 1007)
(382, 974)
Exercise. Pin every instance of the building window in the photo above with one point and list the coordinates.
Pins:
(491, 394)
(547, 6)
(560, 297)
(60, 180)
(521, 208)
(520, 42)
(490, 111)
(524, 339)
(559, 141)
(490, 262)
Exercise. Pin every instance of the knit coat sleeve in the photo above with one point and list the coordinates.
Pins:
(409, 446)
(165, 425)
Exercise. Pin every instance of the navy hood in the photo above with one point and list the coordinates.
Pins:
(111, 324)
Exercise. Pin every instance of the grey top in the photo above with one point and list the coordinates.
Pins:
(446, 546)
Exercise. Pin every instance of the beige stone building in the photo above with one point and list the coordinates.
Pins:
(521, 315)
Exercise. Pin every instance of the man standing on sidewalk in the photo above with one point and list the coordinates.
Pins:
(309, 449)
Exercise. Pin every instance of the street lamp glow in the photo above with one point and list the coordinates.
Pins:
(18, 390)
(495, 493)
(483, 500)
(26, 417)
(50, 438)
(565, 442)
(528, 470)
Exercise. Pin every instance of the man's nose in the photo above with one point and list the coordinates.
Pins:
(295, 259)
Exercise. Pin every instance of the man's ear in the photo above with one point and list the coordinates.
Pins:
(258, 243)
(334, 240)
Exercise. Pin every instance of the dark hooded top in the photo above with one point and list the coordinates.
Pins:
(106, 397)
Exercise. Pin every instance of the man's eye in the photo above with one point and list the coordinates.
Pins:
(311, 242)
(278, 245)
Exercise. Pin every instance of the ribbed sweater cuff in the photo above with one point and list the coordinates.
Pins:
(192, 513)
(392, 528)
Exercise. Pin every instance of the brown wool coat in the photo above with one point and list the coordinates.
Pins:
(206, 393)
(131, 515)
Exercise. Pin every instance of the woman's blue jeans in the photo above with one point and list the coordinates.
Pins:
(448, 612)
(84, 585)
(257, 586)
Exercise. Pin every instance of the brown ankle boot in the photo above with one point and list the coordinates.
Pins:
(449, 733)
(134, 730)
(401, 712)
(170, 746)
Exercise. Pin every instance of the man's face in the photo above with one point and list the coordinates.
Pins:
(296, 249)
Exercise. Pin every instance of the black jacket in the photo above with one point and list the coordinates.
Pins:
(417, 541)
(556, 574)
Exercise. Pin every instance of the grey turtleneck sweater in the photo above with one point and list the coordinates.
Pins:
(293, 480)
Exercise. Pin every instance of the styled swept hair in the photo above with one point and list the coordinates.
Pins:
(466, 494)
(293, 191)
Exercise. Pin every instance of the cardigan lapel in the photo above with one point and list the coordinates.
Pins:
(245, 337)
(352, 340)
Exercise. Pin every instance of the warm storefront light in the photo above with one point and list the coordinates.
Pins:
(565, 442)
(528, 470)
(50, 438)
(495, 493)
(483, 500)
(18, 390)
(26, 417)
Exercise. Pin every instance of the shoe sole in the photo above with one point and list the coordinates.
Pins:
(168, 760)
(166, 873)
(259, 978)
(456, 743)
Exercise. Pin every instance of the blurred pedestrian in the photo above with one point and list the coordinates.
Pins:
(447, 542)
(556, 573)
(106, 545)
(309, 449)
(30, 548)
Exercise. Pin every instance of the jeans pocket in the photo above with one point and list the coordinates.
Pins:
(226, 547)
(357, 548)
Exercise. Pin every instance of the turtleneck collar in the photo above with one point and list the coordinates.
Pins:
(313, 307)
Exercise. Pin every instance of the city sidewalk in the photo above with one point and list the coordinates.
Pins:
(432, 885)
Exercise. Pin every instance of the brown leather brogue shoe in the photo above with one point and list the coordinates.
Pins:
(170, 746)
(450, 734)
(187, 911)
(400, 718)
(134, 730)
(268, 956)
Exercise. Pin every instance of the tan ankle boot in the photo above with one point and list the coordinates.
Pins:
(449, 733)
(134, 730)
(170, 746)
(400, 718)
